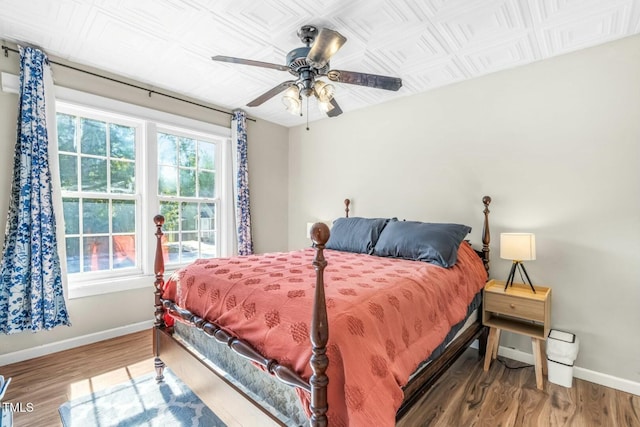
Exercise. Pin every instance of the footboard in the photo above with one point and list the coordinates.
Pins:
(317, 385)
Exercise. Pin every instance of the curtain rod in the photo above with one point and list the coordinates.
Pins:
(150, 91)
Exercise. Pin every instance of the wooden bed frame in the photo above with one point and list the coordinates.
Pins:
(223, 396)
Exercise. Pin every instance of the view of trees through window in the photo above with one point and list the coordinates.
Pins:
(187, 194)
(102, 158)
(98, 178)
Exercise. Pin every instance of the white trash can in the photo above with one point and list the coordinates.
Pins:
(562, 350)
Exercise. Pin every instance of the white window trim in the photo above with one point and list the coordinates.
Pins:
(85, 279)
(153, 118)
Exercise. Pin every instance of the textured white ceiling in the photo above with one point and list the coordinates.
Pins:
(428, 43)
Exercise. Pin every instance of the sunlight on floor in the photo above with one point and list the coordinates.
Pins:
(117, 376)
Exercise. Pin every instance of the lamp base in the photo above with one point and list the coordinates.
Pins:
(512, 273)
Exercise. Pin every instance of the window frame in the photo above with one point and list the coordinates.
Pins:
(95, 283)
(137, 196)
(216, 200)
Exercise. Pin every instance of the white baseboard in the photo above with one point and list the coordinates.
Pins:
(42, 350)
(578, 372)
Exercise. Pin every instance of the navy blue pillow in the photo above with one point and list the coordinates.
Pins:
(422, 241)
(355, 234)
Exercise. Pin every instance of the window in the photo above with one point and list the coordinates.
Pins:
(100, 194)
(116, 172)
(187, 195)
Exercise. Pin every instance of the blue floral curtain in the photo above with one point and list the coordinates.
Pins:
(31, 291)
(243, 214)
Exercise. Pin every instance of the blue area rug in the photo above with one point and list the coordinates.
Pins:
(140, 402)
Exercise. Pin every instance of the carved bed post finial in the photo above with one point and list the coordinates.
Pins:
(319, 331)
(486, 235)
(347, 202)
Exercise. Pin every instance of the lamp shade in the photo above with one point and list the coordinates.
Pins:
(518, 246)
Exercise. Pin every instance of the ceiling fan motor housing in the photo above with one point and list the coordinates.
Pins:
(297, 62)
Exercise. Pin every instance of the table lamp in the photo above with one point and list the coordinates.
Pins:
(518, 247)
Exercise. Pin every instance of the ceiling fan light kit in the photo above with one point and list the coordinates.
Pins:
(308, 64)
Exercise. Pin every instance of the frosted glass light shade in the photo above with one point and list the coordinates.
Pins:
(324, 91)
(518, 246)
(291, 100)
(325, 107)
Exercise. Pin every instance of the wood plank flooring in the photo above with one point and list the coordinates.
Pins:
(468, 396)
(464, 396)
(49, 381)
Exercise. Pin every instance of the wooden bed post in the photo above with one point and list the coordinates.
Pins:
(158, 269)
(319, 331)
(486, 239)
(347, 202)
(486, 234)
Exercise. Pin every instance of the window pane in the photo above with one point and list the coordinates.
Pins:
(123, 141)
(94, 174)
(94, 137)
(68, 172)
(171, 215)
(171, 247)
(167, 181)
(123, 177)
(206, 155)
(188, 152)
(189, 247)
(71, 210)
(189, 216)
(167, 149)
(206, 184)
(73, 254)
(96, 253)
(95, 216)
(124, 216)
(187, 182)
(66, 132)
(124, 251)
(207, 230)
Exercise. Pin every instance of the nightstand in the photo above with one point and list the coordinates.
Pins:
(517, 309)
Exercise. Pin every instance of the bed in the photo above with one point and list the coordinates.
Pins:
(275, 310)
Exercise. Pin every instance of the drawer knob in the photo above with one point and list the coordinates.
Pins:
(512, 305)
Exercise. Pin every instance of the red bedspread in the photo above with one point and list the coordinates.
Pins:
(385, 317)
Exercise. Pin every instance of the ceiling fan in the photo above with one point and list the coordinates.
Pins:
(308, 64)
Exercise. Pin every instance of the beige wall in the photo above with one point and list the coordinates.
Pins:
(268, 151)
(557, 146)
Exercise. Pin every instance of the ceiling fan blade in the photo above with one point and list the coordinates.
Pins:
(325, 45)
(363, 79)
(233, 60)
(336, 110)
(271, 93)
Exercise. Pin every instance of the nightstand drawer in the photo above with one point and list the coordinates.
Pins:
(514, 306)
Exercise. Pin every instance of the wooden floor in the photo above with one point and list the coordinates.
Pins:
(49, 381)
(464, 396)
(468, 396)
